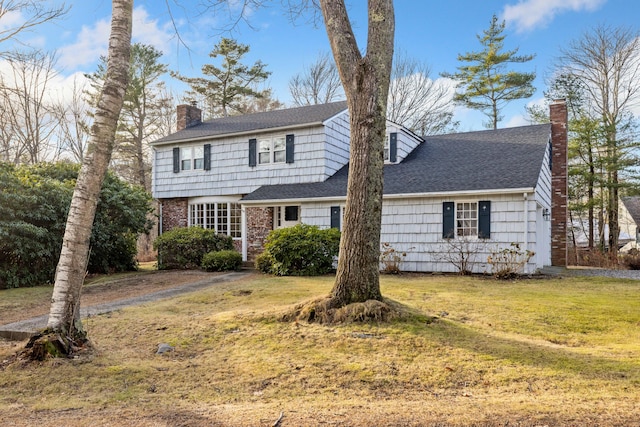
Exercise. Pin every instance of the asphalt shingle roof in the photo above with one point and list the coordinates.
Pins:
(508, 158)
(633, 206)
(258, 121)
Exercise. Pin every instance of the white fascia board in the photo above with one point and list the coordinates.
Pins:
(234, 134)
(473, 193)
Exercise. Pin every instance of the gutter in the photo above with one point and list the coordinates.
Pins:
(271, 202)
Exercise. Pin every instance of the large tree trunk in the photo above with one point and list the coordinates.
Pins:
(366, 84)
(64, 316)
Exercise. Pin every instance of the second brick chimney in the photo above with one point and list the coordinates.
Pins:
(559, 216)
(188, 115)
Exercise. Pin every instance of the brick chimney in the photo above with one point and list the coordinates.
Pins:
(188, 115)
(559, 119)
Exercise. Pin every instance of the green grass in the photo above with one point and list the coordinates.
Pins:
(535, 352)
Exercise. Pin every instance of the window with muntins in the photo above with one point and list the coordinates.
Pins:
(185, 158)
(223, 217)
(467, 219)
(272, 150)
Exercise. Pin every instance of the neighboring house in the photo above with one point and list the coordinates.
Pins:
(629, 222)
(475, 192)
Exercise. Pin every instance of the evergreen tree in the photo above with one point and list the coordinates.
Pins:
(484, 82)
(231, 84)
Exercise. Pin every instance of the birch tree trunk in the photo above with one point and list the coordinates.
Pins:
(64, 315)
(366, 85)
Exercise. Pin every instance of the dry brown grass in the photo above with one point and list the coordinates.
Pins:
(532, 353)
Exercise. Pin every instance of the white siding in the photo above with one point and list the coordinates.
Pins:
(337, 132)
(230, 172)
(407, 142)
(543, 203)
(414, 226)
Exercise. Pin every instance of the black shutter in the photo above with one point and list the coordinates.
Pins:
(289, 154)
(176, 160)
(207, 157)
(335, 217)
(448, 220)
(393, 147)
(484, 219)
(253, 155)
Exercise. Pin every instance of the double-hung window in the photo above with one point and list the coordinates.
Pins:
(466, 219)
(223, 217)
(192, 158)
(272, 150)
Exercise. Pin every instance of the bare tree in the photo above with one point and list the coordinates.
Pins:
(416, 101)
(28, 117)
(65, 326)
(73, 123)
(33, 13)
(606, 63)
(318, 83)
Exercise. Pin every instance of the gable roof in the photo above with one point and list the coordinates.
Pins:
(289, 117)
(633, 206)
(500, 159)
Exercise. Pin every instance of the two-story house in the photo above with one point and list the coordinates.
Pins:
(480, 191)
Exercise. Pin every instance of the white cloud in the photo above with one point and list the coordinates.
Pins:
(529, 14)
(93, 41)
(90, 44)
(515, 121)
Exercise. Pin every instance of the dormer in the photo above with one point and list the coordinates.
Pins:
(399, 142)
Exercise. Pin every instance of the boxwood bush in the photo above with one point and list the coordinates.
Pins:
(302, 250)
(222, 261)
(183, 248)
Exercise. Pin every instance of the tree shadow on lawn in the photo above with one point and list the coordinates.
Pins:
(531, 353)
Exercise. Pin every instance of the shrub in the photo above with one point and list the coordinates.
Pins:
(222, 260)
(34, 202)
(264, 262)
(391, 259)
(508, 263)
(302, 250)
(631, 260)
(183, 248)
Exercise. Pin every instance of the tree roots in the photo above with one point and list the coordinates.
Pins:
(323, 311)
(53, 344)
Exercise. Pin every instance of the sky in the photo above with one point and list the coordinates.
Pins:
(433, 32)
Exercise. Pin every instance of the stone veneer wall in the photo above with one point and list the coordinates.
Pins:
(175, 213)
(259, 224)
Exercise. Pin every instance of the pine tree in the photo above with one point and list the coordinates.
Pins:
(231, 83)
(484, 82)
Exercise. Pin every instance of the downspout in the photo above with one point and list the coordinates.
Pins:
(243, 225)
(526, 228)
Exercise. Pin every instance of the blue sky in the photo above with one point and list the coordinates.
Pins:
(434, 32)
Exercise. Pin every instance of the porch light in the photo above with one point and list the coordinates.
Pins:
(546, 214)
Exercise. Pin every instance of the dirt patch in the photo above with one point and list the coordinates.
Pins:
(105, 289)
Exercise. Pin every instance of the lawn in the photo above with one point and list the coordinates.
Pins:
(555, 352)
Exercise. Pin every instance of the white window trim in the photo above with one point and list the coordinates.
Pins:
(477, 219)
(279, 217)
(272, 152)
(192, 157)
(214, 202)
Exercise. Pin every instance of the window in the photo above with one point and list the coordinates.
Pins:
(272, 150)
(467, 219)
(387, 145)
(223, 217)
(192, 158)
(286, 216)
(185, 158)
(198, 157)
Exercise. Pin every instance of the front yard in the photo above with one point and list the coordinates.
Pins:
(554, 352)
